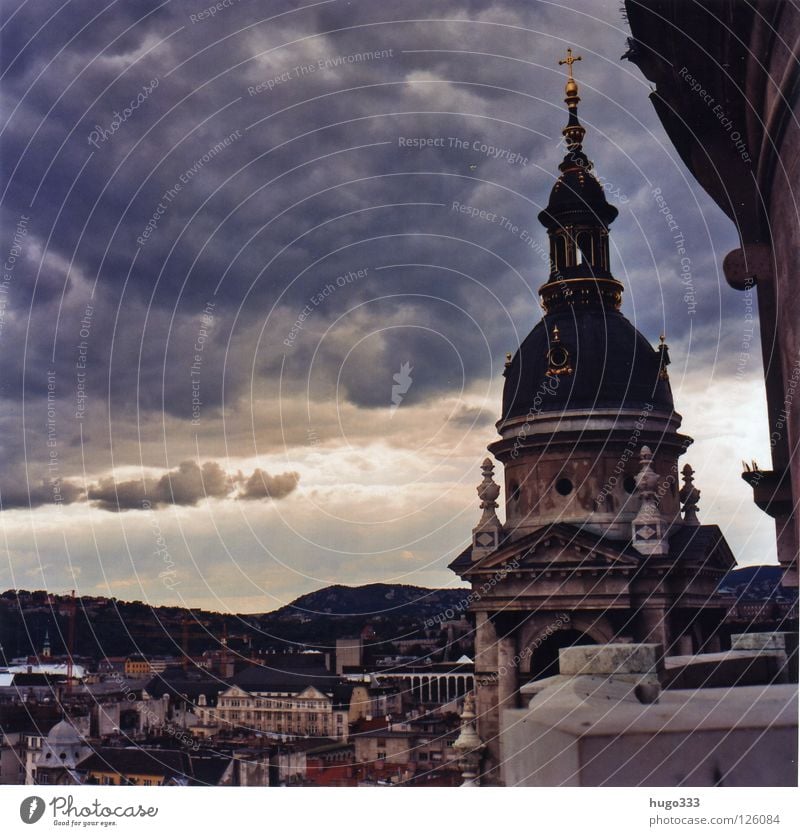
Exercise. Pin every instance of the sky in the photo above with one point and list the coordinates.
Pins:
(230, 230)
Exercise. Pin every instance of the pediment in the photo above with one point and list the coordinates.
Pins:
(559, 547)
(311, 693)
(704, 545)
(234, 691)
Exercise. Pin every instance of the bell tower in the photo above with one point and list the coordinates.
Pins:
(595, 547)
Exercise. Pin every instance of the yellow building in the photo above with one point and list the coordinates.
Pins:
(136, 767)
(137, 667)
(306, 713)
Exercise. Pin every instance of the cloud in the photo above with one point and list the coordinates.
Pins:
(471, 416)
(15, 493)
(188, 484)
(327, 252)
(263, 486)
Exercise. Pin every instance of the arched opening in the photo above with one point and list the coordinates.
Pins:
(559, 251)
(544, 660)
(604, 258)
(586, 247)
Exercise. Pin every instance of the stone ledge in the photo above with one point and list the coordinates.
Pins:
(759, 641)
(729, 669)
(611, 660)
(587, 731)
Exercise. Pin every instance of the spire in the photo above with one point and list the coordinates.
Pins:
(574, 132)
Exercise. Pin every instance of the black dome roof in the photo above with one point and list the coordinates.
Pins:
(577, 196)
(613, 366)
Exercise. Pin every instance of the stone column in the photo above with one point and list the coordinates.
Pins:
(485, 657)
(488, 689)
(506, 673)
(652, 627)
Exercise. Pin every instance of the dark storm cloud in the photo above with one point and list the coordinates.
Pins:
(270, 160)
(188, 484)
(15, 493)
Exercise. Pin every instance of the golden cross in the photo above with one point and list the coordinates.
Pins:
(569, 60)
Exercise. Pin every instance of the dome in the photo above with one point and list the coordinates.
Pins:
(63, 748)
(63, 733)
(584, 354)
(596, 359)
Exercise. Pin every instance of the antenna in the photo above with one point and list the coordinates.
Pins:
(70, 639)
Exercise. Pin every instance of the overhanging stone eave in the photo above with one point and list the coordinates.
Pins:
(547, 439)
(616, 601)
(574, 539)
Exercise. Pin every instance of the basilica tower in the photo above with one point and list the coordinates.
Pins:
(585, 390)
(595, 547)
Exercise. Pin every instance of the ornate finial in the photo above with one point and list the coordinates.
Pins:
(664, 361)
(574, 132)
(487, 533)
(508, 359)
(646, 478)
(468, 744)
(488, 490)
(571, 88)
(569, 61)
(689, 495)
(649, 531)
(558, 357)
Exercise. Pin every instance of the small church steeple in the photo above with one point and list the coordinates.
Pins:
(577, 218)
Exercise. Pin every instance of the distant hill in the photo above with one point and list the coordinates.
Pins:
(110, 627)
(756, 583)
(380, 599)
(394, 611)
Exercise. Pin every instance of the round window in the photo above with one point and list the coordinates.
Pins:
(558, 357)
(564, 487)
